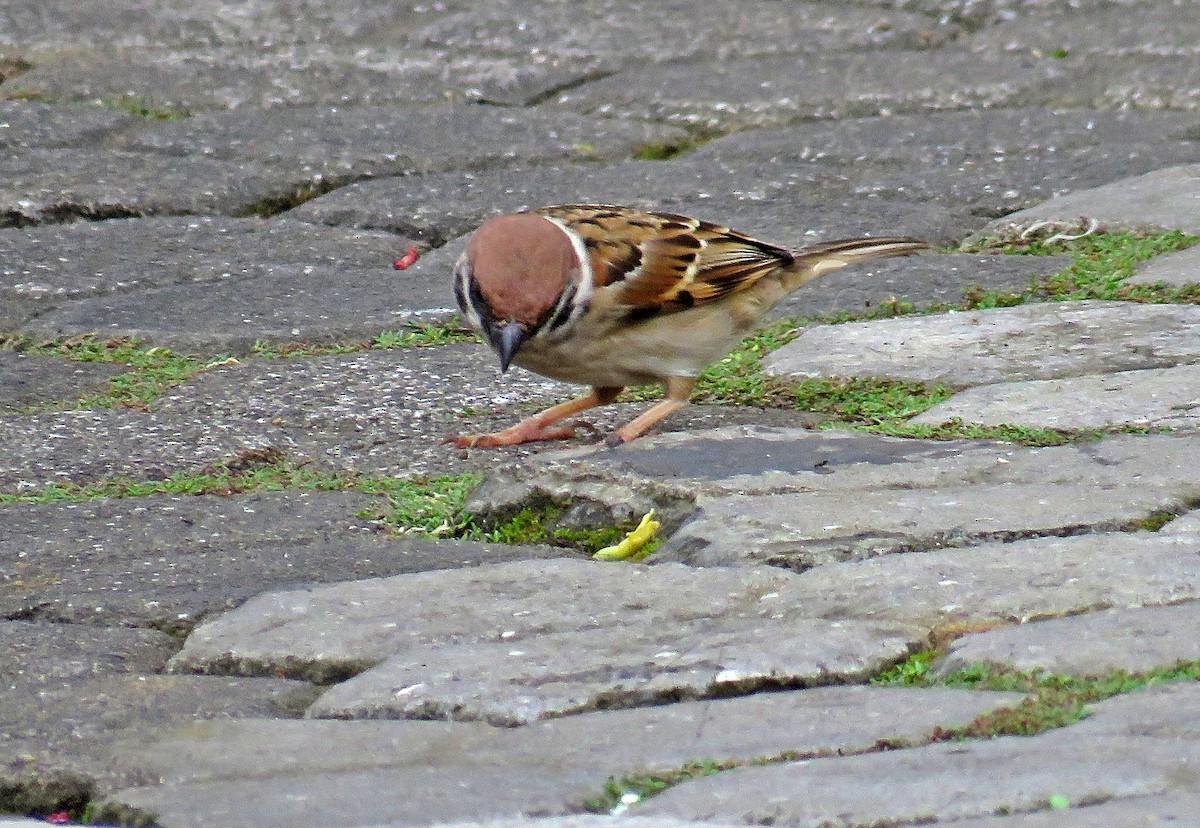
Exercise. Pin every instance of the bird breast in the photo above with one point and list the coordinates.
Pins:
(612, 352)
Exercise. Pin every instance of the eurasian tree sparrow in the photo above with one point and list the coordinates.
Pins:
(612, 296)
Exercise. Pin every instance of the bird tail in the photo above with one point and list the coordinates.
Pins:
(819, 259)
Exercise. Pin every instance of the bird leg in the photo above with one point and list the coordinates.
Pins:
(679, 393)
(541, 426)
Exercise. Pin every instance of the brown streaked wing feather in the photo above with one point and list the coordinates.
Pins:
(663, 259)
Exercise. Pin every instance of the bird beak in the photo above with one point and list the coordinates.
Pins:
(507, 339)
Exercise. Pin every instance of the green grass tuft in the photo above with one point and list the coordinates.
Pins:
(1052, 700)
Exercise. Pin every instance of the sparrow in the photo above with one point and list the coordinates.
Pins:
(612, 296)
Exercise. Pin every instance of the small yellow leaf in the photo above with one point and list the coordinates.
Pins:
(633, 542)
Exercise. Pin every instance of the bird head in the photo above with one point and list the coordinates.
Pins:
(517, 278)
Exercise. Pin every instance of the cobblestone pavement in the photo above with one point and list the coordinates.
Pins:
(235, 586)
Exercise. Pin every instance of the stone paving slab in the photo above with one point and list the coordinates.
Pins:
(47, 448)
(25, 124)
(507, 683)
(764, 92)
(992, 160)
(234, 79)
(269, 304)
(1155, 397)
(35, 651)
(219, 755)
(1027, 342)
(823, 721)
(1138, 81)
(798, 498)
(346, 142)
(53, 185)
(942, 782)
(756, 27)
(32, 379)
(784, 205)
(377, 412)
(920, 281)
(1164, 199)
(1171, 269)
(1095, 643)
(341, 630)
(1183, 525)
(57, 266)
(808, 529)
(1013, 582)
(169, 561)
(71, 261)
(1168, 711)
(62, 731)
(1117, 30)
(1164, 811)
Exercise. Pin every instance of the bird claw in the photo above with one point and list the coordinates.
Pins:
(520, 433)
(615, 439)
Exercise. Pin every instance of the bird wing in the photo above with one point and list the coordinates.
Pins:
(662, 262)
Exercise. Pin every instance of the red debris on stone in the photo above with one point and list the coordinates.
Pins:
(408, 259)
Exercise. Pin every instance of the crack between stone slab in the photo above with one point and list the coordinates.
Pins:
(567, 86)
(65, 213)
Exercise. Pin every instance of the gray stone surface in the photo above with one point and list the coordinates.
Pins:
(1163, 199)
(759, 92)
(1165, 711)
(992, 160)
(1171, 269)
(514, 681)
(52, 185)
(59, 730)
(822, 721)
(204, 766)
(1039, 341)
(25, 124)
(137, 139)
(921, 281)
(33, 651)
(805, 529)
(341, 143)
(28, 380)
(344, 629)
(169, 561)
(1012, 582)
(213, 284)
(1165, 811)
(1154, 397)
(1183, 525)
(384, 411)
(1095, 643)
(798, 498)
(783, 205)
(942, 782)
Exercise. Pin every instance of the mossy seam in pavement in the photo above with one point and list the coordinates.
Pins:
(428, 507)
(1052, 701)
(153, 370)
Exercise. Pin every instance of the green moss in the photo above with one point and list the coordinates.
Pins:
(1052, 700)
(537, 524)
(914, 670)
(415, 336)
(665, 150)
(639, 786)
(150, 370)
(1101, 263)
(1155, 520)
(143, 108)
